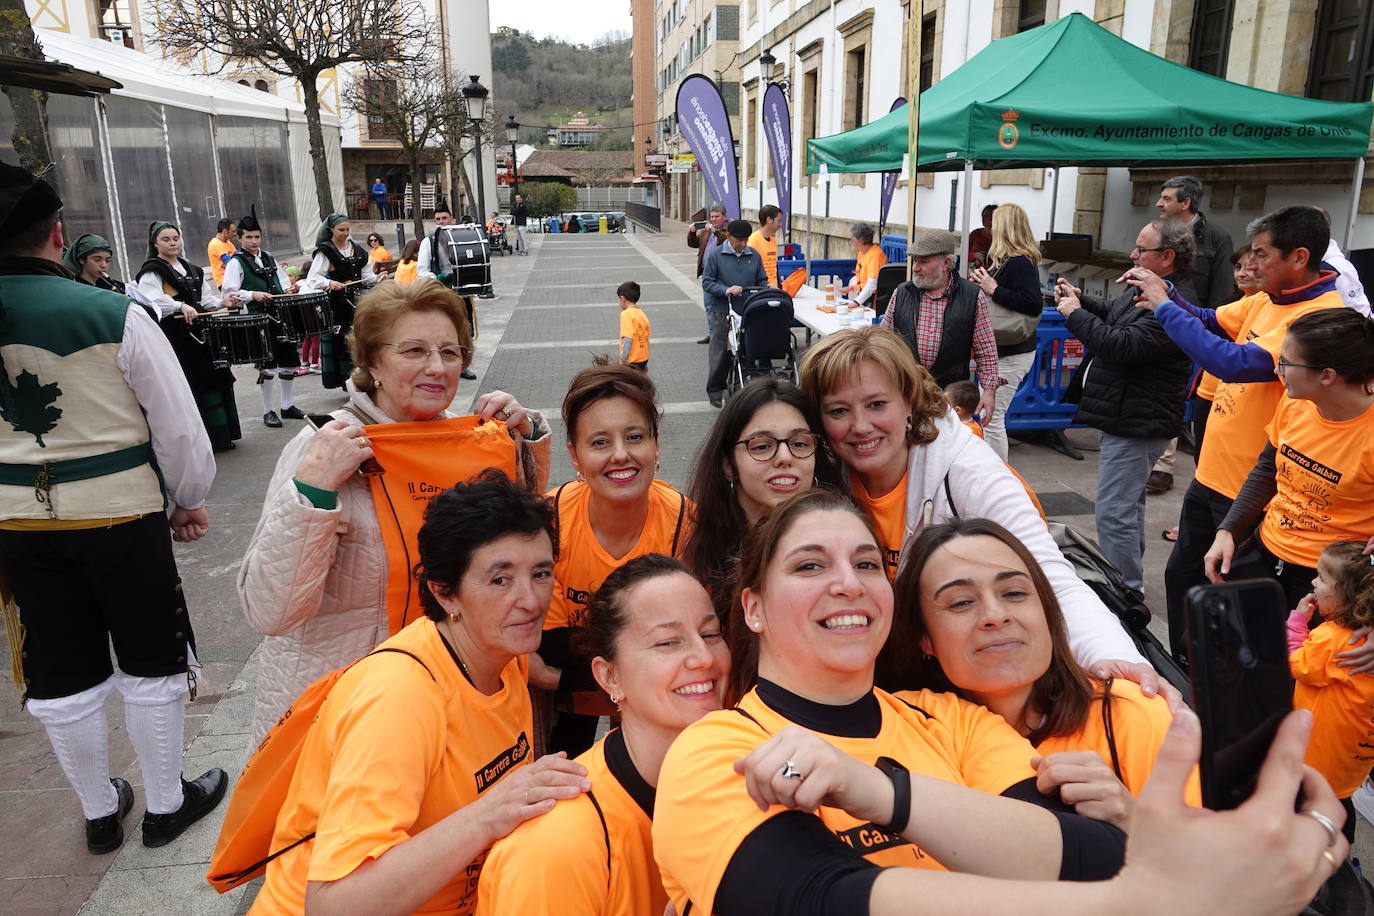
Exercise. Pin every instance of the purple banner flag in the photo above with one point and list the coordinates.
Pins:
(777, 128)
(889, 182)
(702, 119)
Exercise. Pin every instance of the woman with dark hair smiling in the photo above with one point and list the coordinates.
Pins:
(383, 814)
(658, 651)
(766, 445)
(976, 615)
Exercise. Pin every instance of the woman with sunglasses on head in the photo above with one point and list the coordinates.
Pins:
(314, 578)
(909, 461)
(819, 794)
(614, 511)
(1314, 481)
(657, 649)
(765, 445)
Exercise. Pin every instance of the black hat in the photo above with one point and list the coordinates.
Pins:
(24, 200)
(250, 222)
(441, 206)
(739, 228)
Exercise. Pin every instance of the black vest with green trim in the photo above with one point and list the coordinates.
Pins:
(343, 268)
(183, 289)
(258, 279)
(74, 443)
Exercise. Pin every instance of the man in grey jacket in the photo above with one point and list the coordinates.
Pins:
(730, 268)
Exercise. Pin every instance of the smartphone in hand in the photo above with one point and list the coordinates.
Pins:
(1241, 682)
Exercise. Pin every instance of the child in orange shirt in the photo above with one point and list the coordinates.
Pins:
(1342, 601)
(963, 397)
(634, 328)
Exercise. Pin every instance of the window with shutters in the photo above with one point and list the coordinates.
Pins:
(1210, 40)
(1342, 68)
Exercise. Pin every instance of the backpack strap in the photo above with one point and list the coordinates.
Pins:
(750, 717)
(605, 834)
(311, 835)
(677, 529)
(1109, 729)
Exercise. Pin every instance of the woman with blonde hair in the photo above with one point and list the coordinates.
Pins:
(1011, 280)
(314, 579)
(910, 462)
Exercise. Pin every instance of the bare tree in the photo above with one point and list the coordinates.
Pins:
(300, 39)
(407, 101)
(30, 105)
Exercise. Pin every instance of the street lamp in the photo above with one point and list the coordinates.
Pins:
(475, 95)
(766, 64)
(512, 135)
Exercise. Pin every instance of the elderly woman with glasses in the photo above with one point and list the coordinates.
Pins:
(314, 577)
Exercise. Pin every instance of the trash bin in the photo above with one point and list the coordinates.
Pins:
(602, 226)
(553, 224)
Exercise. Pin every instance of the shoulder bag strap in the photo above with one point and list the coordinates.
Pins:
(605, 834)
(677, 529)
(1109, 729)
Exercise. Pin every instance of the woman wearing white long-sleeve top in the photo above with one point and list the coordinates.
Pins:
(339, 266)
(181, 293)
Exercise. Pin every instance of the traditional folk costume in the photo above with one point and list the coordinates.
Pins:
(434, 261)
(342, 266)
(244, 275)
(167, 286)
(74, 259)
(98, 421)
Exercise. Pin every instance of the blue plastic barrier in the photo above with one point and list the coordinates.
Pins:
(839, 269)
(894, 246)
(1039, 401)
(791, 250)
(554, 225)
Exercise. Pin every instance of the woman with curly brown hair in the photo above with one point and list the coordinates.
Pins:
(910, 463)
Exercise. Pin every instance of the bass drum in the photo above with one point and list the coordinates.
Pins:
(463, 250)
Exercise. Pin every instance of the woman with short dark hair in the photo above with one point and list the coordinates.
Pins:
(868, 260)
(384, 813)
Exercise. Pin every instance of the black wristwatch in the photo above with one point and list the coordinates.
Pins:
(901, 793)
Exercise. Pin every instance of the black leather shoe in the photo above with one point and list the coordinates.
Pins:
(106, 834)
(292, 413)
(270, 419)
(706, 339)
(201, 798)
(469, 374)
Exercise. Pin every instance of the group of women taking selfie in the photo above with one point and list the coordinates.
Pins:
(846, 672)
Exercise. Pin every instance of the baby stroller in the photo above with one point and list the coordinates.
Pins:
(496, 237)
(761, 343)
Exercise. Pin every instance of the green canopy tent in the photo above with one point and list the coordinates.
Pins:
(1071, 92)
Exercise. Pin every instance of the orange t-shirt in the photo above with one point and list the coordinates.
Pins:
(405, 272)
(1139, 724)
(1240, 410)
(1207, 386)
(590, 855)
(703, 811)
(1342, 743)
(215, 251)
(379, 254)
(768, 251)
(583, 564)
(1325, 474)
(889, 515)
(634, 324)
(395, 750)
(867, 265)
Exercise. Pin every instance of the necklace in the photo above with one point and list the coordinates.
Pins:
(449, 643)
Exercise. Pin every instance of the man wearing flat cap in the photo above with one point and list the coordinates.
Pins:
(100, 438)
(731, 267)
(944, 318)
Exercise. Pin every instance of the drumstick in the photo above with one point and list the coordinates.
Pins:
(213, 314)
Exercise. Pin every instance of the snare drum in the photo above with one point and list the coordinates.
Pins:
(300, 316)
(238, 339)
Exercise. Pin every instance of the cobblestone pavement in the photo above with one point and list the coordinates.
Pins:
(555, 310)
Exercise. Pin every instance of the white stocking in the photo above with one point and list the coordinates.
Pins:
(265, 389)
(155, 716)
(76, 728)
(286, 400)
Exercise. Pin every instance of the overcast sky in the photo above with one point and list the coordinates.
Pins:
(578, 22)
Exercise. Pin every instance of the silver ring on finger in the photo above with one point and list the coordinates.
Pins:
(1332, 834)
(790, 771)
(503, 414)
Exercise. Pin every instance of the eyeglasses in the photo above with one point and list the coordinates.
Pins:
(1282, 365)
(416, 351)
(763, 446)
(1138, 250)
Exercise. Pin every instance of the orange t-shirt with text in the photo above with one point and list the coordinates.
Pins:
(215, 251)
(1139, 724)
(634, 324)
(1325, 474)
(768, 251)
(583, 564)
(1342, 743)
(889, 515)
(1240, 410)
(703, 812)
(394, 750)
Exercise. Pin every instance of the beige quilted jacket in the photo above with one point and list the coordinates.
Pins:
(313, 581)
